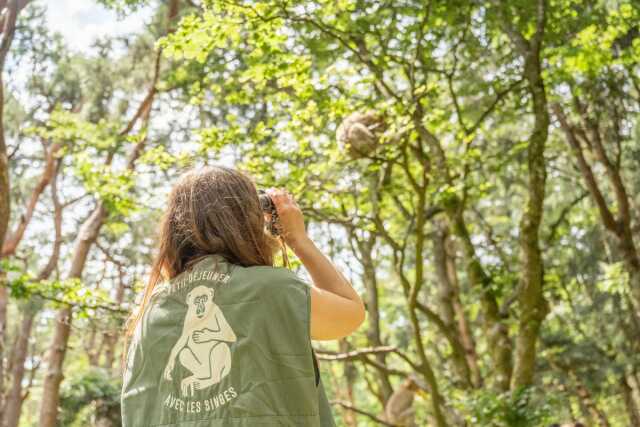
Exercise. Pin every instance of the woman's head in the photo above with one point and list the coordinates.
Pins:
(213, 210)
(210, 210)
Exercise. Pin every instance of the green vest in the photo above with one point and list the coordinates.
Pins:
(225, 345)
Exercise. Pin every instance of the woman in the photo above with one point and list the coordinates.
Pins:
(222, 337)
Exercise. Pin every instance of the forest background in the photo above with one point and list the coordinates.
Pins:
(492, 230)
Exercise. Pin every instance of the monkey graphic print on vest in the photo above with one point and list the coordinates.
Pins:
(202, 347)
(225, 345)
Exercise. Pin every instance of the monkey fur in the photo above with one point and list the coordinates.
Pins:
(359, 133)
(399, 408)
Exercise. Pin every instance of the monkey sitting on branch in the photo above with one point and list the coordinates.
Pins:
(359, 134)
(399, 408)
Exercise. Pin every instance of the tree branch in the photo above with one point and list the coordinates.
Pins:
(350, 407)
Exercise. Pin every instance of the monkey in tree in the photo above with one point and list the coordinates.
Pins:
(359, 137)
(399, 408)
(359, 134)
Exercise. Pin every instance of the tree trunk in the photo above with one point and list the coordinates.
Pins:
(350, 375)
(5, 199)
(93, 350)
(7, 31)
(493, 324)
(3, 326)
(494, 328)
(20, 350)
(630, 403)
(373, 316)
(57, 349)
(13, 405)
(466, 336)
(533, 306)
(110, 338)
(619, 226)
(446, 297)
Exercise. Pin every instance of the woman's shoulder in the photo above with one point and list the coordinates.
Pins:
(273, 277)
(266, 272)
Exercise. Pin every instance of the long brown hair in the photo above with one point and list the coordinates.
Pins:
(210, 210)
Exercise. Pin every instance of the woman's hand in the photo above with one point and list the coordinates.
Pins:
(290, 219)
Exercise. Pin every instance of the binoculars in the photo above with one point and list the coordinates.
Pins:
(267, 206)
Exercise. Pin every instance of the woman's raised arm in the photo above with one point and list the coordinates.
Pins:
(336, 308)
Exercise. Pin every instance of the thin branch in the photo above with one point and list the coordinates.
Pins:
(350, 407)
(110, 257)
(355, 354)
(553, 228)
(499, 97)
(52, 264)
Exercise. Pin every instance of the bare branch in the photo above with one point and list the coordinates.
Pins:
(350, 407)
(355, 354)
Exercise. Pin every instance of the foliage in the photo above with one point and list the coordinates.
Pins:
(72, 291)
(96, 387)
(526, 407)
